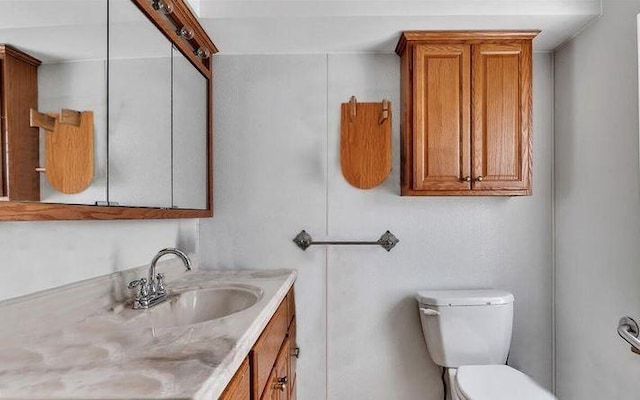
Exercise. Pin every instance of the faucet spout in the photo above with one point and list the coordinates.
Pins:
(177, 252)
(153, 291)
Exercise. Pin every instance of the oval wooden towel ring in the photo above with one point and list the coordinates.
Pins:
(365, 143)
(68, 149)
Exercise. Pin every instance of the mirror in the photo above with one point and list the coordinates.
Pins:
(190, 116)
(140, 109)
(140, 72)
(72, 50)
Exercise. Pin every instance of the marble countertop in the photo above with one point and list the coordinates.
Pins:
(110, 354)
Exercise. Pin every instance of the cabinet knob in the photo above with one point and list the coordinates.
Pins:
(466, 179)
(281, 384)
(480, 178)
(296, 352)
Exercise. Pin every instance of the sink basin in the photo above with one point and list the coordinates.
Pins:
(201, 305)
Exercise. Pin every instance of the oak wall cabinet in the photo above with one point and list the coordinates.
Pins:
(466, 113)
(18, 141)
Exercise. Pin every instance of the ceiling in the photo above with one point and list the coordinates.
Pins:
(328, 26)
(48, 30)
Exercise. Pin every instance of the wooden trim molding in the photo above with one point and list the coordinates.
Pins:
(32, 211)
(6, 49)
(467, 193)
(467, 37)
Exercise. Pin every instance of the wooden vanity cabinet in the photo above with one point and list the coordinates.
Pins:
(19, 142)
(269, 373)
(466, 113)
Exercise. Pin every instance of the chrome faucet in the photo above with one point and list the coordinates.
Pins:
(153, 291)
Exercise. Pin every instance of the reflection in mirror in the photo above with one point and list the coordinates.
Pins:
(139, 109)
(72, 49)
(189, 134)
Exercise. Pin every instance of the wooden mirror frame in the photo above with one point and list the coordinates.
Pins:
(168, 24)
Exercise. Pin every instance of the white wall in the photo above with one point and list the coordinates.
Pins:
(270, 152)
(597, 206)
(41, 255)
(277, 171)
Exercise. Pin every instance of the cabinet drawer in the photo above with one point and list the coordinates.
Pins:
(265, 351)
(240, 386)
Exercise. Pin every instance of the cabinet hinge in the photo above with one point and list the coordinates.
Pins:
(107, 203)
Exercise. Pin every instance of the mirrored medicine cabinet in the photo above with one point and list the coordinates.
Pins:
(130, 77)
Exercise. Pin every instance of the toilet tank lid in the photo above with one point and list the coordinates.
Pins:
(481, 297)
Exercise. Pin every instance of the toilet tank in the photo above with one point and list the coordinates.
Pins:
(466, 327)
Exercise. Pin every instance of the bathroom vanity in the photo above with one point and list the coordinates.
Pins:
(270, 370)
(220, 334)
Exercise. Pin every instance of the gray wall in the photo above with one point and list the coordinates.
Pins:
(277, 171)
(597, 199)
(42, 255)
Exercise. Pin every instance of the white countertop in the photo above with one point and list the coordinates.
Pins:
(104, 355)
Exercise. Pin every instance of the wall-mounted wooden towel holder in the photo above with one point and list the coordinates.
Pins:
(365, 142)
(68, 148)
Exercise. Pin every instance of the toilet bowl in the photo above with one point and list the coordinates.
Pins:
(468, 332)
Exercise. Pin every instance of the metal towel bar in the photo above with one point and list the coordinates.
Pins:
(628, 330)
(387, 241)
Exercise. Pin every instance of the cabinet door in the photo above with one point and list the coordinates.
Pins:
(441, 122)
(239, 388)
(266, 351)
(19, 90)
(501, 114)
(278, 385)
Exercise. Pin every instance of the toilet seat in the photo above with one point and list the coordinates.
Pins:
(496, 382)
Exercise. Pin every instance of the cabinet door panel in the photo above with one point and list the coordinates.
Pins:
(441, 98)
(501, 116)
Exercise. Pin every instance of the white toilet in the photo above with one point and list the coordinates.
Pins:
(468, 332)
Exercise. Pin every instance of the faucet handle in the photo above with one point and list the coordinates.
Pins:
(160, 288)
(137, 282)
(144, 289)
